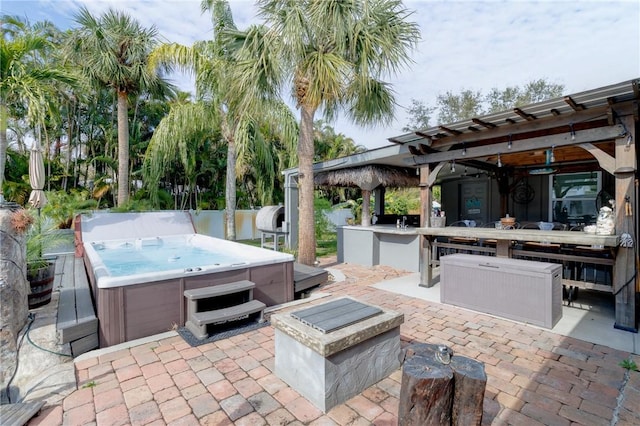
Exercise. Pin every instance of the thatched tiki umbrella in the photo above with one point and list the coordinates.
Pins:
(367, 178)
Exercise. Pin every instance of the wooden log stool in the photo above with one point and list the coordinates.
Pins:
(439, 388)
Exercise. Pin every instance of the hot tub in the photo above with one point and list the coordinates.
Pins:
(138, 283)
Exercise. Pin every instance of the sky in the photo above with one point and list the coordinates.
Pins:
(465, 45)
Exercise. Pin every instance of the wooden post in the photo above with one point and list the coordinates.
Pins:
(426, 274)
(624, 287)
(426, 268)
(426, 196)
(433, 392)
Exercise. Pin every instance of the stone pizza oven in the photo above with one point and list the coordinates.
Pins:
(270, 218)
(269, 221)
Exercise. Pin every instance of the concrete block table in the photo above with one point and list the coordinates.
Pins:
(331, 352)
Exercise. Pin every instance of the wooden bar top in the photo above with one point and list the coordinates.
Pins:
(536, 235)
(384, 229)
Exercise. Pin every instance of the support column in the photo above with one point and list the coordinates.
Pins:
(426, 198)
(290, 224)
(624, 273)
(366, 208)
(378, 200)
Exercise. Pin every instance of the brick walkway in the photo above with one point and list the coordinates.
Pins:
(534, 376)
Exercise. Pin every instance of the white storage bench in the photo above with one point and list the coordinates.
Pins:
(520, 290)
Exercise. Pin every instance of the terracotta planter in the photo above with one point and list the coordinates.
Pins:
(40, 276)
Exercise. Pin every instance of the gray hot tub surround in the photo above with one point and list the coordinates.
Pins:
(328, 364)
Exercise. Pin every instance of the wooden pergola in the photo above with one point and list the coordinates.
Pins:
(595, 130)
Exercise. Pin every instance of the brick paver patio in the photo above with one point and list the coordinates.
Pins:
(534, 376)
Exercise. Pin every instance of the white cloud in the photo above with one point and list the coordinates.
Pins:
(474, 45)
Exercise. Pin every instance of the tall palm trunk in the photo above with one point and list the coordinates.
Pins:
(306, 233)
(230, 187)
(366, 208)
(3, 145)
(123, 149)
(70, 131)
(230, 192)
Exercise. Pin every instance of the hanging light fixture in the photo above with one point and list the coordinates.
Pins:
(510, 143)
(464, 150)
(573, 132)
(546, 170)
(499, 161)
(453, 166)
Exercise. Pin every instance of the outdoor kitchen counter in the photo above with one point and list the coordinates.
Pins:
(536, 235)
(504, 239)
(380, 245)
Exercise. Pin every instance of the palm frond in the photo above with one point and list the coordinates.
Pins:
(178, 135)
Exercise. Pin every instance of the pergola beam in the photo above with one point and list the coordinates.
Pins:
(450, 131)
(576, 107)
(540, 124)
(525, 115)
(542, 142)
(485, 124)
(607, 162)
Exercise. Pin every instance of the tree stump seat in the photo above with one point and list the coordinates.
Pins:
(439, 388)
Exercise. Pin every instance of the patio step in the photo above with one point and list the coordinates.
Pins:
(219, 290)
(306, 277)
(198, 321)
(209, 306)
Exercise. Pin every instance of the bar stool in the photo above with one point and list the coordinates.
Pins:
(470, 241)
(593, 272)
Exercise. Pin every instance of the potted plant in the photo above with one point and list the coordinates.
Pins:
(40, 268)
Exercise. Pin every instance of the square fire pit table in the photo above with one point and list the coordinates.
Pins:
(333, 351)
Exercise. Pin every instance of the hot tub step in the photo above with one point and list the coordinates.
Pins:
(219, 290)
(198, 321)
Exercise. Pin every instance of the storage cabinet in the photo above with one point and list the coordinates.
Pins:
(516, 289)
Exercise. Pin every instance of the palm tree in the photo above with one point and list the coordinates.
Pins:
(180, 135)
(330, 145)
(237, 97)
(337, 53)
(26, 78)
(114, 49)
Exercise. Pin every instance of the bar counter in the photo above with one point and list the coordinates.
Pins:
(379, 245)
(504, 239)
(536, 235)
